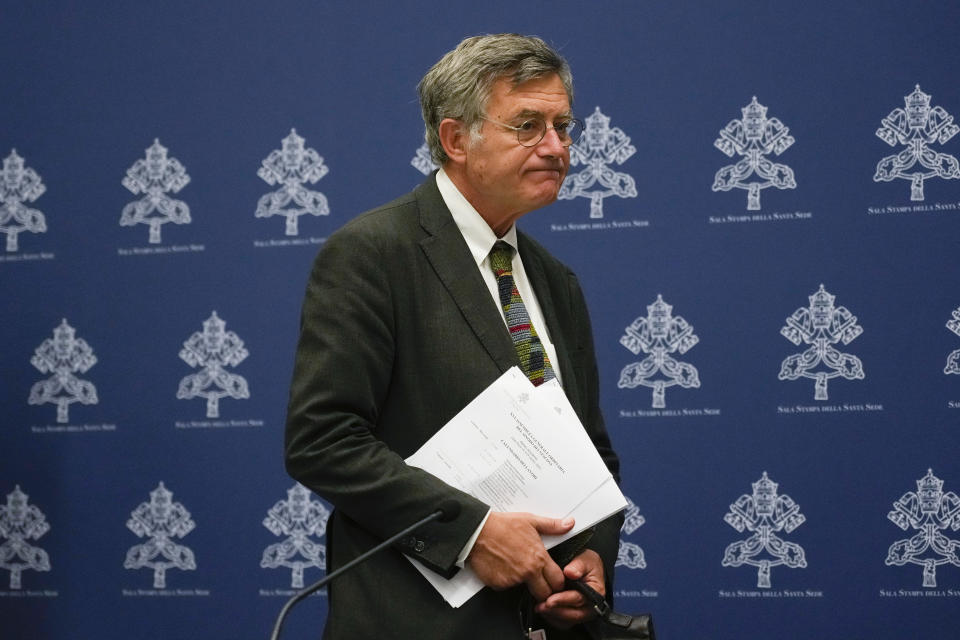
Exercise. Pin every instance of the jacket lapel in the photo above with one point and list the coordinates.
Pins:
(448, 254)
(548, 299)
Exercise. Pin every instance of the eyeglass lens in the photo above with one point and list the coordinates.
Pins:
(531, 132)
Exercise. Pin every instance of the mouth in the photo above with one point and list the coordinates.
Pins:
(551, 172)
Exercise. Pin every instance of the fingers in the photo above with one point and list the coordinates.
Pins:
(564, 617)
(587, 566)
(568, 607)
(569, 598)
(508, 551)
(541, 585)
(576, 569)
(553, 575)
(565, 609)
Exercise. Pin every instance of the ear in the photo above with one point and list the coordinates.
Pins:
(455, 138)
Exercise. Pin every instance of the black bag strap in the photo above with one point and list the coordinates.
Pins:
(616, 626)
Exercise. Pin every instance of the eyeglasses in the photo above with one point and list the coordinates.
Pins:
(531, 132)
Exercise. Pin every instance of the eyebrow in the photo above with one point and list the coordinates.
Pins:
(532, 113)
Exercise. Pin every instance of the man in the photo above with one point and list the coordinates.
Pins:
(403, 325)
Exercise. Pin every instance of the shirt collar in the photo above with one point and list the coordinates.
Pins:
(478, 234)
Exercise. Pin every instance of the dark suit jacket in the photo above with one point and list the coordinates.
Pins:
(398, 333)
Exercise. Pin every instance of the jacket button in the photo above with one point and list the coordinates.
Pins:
(419, 547)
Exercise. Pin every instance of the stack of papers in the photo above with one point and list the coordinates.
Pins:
(517, 447)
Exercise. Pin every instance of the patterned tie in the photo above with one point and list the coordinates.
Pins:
(533, 359)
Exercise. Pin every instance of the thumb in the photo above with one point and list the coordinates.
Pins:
(576, 569)
(552, 526)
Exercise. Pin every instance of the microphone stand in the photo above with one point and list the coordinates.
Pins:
(448, 510)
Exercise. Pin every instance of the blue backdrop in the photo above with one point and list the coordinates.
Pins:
(766, 230)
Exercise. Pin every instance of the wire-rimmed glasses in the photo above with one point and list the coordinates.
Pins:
(532, 130)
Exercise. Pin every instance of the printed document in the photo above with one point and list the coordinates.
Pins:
(518, 447)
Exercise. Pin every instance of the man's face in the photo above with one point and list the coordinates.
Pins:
(504, 179)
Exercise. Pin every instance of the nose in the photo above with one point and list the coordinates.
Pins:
(550, 145)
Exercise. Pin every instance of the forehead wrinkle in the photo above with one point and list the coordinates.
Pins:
(541, 97)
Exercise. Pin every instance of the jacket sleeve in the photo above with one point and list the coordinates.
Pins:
(342, 374)
(606, 536)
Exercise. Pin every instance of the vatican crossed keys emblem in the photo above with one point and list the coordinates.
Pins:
(213, 351)
(630, 554)
(160, 521)
(63, 356)
(930, 511)
(916, 127)
(154, 176)
(754, 136)
(765, 513)
(822, 326)
(659, 335)
(599, 147)
(20, 522)
(299, 519)
(292, 167)
(953, 360)
(19, 184)
(422, 162)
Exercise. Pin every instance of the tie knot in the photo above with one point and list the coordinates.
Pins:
(501, 257)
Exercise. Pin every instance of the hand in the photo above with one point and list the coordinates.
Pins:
(509, 551)
(567, 608)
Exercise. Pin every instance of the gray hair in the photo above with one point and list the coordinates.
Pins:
(459, 84)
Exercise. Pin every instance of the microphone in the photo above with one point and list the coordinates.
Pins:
(446, 511)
